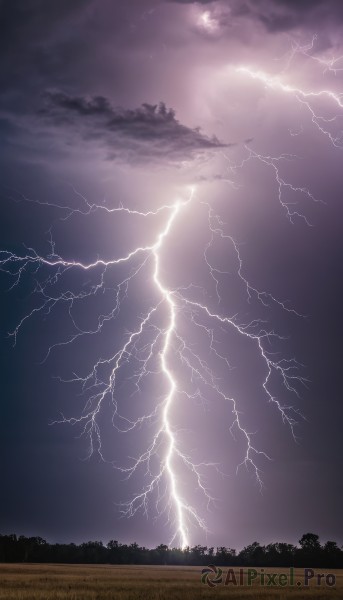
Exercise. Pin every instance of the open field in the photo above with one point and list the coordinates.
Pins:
(107, 582)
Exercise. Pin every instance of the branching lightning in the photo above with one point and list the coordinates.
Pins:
(164, 484)
(306, 98)
(157, 345)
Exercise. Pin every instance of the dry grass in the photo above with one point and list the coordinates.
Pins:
(105, 582)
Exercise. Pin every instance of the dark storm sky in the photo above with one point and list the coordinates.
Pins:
(78, 83)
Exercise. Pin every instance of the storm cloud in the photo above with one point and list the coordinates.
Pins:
(279, 15)
(285, 15)
(192, 1)
(140, 134)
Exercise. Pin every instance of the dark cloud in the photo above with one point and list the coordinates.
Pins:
(136, 135)
(65, 44)
(192, 1)
(307, 5)
(29, 30)
(283, 15)
(18, 19)
(279, 15)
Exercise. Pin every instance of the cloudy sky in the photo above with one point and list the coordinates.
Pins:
(132, 105)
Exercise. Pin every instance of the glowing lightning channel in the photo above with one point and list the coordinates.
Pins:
(331, 65)
(274, 82)
(304, 97)
(166, 424)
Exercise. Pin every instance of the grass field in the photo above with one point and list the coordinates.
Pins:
(105, 582)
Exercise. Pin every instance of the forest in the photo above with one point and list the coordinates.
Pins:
(309, 553)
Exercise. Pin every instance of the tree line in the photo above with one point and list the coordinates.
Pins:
(309, 553)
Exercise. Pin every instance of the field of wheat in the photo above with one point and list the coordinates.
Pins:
(107, 582)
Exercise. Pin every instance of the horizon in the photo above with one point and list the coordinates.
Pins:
(120, 543)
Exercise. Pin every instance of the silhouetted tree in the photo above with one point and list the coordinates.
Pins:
(332, 556)
(253, 554)
(280, 554)
(310, 553)
(225, 556)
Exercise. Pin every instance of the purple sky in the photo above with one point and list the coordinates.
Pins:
(131, 104)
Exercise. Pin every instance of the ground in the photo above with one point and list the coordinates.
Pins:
(112, 582)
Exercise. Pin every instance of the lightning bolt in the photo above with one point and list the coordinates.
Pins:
(334, 64)
(158, 346)
(273, 163)
(166, 343)
(306, 98)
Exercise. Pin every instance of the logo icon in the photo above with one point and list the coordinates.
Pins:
(212, 575)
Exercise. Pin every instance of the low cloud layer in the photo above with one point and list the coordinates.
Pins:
(136, 135)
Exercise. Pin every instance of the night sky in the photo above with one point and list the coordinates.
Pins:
(134, 104)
